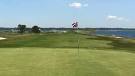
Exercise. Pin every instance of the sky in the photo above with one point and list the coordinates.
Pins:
(62, 13)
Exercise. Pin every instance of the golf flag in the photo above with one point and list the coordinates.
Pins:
(75, 25)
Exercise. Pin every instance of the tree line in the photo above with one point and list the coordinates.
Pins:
(22, 29)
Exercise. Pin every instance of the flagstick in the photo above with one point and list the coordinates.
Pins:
(78, 42)
(78, 38)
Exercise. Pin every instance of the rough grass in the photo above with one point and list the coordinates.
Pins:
(66, 40)
(53, 40)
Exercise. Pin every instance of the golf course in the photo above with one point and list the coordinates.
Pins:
(57, 54)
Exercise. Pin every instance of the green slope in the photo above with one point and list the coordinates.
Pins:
(67, 40)
(52, 40)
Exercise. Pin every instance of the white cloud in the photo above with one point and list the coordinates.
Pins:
(77, 5)
(117, 21)
(117, 18)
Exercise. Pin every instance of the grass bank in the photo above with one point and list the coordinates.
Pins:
(66, 40)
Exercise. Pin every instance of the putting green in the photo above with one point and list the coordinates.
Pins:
(65, 62)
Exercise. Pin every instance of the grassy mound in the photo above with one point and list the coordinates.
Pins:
(52, 40)
(66, 40)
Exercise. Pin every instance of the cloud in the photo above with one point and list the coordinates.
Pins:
(116, 18)
(77, 5)
(116, 21)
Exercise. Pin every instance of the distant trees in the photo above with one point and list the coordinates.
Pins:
(21, 28)
(35, 29)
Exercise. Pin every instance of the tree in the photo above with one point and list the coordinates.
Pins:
(21, 28)
(35, 29)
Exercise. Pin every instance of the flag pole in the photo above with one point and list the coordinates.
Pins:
(76, 29)
(78, 41)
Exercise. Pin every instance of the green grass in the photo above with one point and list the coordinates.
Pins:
(53, 40)
(65, 62)
(55, 54)
(66, 40)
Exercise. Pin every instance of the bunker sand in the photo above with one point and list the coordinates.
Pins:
(2, 38)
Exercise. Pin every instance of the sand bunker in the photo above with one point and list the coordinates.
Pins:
(2, 38)
(118, 37)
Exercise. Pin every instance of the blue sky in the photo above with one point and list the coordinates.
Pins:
(61, 13)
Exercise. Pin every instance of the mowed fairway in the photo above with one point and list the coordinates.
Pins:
(57, 55)
(65, 62)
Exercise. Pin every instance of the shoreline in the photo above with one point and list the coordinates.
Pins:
(113, 36)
